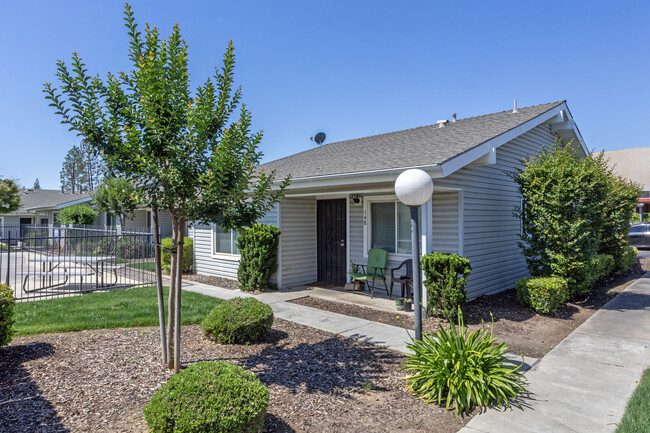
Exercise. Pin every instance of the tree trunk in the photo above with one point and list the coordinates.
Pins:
(179, 283)
(159, 285)
(172, 291)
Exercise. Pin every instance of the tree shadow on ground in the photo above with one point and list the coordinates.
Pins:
(334, 365)
(273, 423)
(22, 406)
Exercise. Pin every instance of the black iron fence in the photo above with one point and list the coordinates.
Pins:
(48, 261)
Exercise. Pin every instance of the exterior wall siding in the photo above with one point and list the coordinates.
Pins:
(445, 222)
(491, 232)
(298, 253)
(205, 262)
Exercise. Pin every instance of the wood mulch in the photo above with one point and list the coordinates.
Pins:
(99, 381)
(525, 331)
(213, 280)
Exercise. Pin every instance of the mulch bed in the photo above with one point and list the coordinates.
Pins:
(98, 381)
(525, 331)
(213, 280)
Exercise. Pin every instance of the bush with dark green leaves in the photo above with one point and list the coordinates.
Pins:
(210, 397)
(7, 302)
(238, 321)
(78, 214)
(188, 255)
(600, 266)
(445, 279)
(258, 247)
(465, 369)
(626, 261)
(573, 207)
(544, 295)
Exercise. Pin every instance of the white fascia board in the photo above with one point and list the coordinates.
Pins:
(466, 158)
(359, 178)
(73, 202)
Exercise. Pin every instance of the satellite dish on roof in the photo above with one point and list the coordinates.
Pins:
(319, 138)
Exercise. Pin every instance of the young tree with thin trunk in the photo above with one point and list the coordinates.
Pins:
(181, 149)
(117, 196)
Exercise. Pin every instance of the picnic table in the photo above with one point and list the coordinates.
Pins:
(72, 266)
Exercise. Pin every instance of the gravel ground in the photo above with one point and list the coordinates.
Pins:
(98, 381)
(524, 331)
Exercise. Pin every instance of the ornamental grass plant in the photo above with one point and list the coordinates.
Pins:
(455, 367)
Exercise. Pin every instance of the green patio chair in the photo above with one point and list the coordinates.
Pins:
(377, 261)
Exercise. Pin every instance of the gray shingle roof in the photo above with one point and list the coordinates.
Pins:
(45, 198)
(422, 146)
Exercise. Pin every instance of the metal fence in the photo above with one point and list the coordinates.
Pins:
(50, 261)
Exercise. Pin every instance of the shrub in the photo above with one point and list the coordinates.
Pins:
(445, 279)
(544, 295)
(626, 261)
(258, 246)
(7, 302)
(466, 369)
(208, 397)
(77, 214)
(600, 266)
(238, 321)
(188, 255)
(572, 208)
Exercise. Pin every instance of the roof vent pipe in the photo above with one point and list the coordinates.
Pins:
(453, 118)
(515, 111)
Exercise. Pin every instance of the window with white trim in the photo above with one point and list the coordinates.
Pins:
(390, 226)
(225, 242)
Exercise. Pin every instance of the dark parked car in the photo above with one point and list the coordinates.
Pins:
(639, 235)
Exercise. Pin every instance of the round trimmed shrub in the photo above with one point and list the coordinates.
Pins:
(238, 321)
(212, 396)
(6, 314)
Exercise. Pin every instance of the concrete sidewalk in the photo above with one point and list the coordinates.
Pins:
(380, 334)
(584, 383)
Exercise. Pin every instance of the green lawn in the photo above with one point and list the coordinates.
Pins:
(116, 309)
(637, 414)
(147, 266)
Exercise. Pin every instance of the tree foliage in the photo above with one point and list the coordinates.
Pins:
(117, 196)
(9, 198)
(182, 149)
(82, 169)
(37, 184)
(572, 208)
(78, 214)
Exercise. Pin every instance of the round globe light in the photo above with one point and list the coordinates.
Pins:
(413, 187)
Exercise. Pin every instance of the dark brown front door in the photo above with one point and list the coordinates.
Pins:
(331, 241)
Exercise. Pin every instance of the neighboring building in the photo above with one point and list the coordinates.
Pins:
(41, 206)
(634, 164)
(341, 200)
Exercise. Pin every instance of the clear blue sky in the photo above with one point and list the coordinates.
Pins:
(349, 68)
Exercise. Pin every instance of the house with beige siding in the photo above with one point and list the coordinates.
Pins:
(341, 201)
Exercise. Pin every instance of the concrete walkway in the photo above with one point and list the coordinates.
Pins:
(584, 383)
(380, 334)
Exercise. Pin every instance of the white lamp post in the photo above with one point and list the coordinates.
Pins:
(414, 188)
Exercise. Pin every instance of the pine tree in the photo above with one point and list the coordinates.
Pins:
(37, 184)
(83, 169)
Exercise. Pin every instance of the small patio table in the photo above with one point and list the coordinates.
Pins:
(50, 264)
